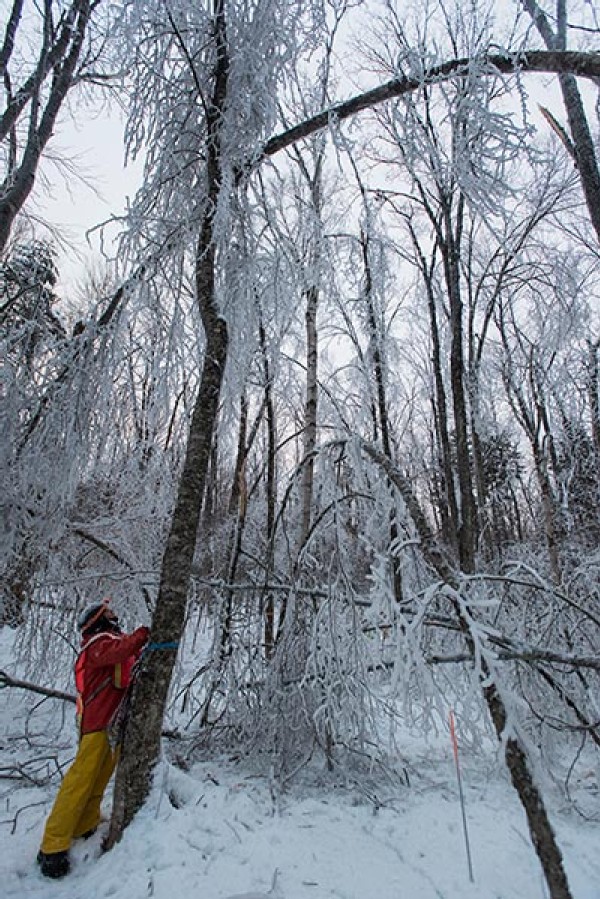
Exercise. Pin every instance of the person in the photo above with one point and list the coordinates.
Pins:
(103, 671)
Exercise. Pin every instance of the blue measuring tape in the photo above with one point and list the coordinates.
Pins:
(153, 647)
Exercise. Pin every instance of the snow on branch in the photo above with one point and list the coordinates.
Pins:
(526, 654)
(586, 65)
(7, 681)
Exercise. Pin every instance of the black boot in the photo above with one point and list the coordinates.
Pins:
(54, 864)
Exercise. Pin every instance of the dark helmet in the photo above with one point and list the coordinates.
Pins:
(98, 613)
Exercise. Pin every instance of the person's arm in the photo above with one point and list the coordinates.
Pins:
(112, 649)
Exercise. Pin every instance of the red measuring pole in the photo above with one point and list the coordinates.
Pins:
(460, 793)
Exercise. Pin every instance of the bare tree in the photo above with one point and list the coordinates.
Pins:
(33, 99)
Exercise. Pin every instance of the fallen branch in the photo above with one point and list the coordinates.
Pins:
(19, 772)
(527, 654)
(7, 681)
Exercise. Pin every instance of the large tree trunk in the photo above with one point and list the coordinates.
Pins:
(580, 63)
(587, 164)
(271, 488)
(310, 413)
(593, 391)
(311, 297)
(141, 744)
(540, 828)
(549, 508)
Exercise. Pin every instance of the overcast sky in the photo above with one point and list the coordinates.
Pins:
(74, 204)
(93, 144)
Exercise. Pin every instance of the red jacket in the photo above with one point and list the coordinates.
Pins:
(103, 673)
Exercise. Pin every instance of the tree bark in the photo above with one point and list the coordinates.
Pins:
(310, 412)
(141, 744)
(593, 391)
(311, 296)
(540, 828)
(271, 489)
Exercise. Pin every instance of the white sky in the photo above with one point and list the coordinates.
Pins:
(98, 188)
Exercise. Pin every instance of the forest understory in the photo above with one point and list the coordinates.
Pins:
(325, 412)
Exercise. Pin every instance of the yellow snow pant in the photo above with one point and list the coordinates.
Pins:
(76, 808)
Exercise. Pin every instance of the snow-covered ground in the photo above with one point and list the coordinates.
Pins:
(220, 830)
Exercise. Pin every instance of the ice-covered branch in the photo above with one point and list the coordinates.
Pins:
(526, 654)
(7, 681)
(583, 64)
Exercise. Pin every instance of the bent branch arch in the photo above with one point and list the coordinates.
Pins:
(557, 62)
